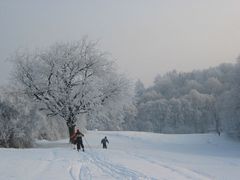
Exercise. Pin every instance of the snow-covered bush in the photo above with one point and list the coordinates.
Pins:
(21, 122)
(13, 132)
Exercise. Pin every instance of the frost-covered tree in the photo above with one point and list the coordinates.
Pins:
(214, 85)
(70, 79)
(139, 89)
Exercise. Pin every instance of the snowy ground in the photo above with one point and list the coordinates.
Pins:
(131, 155)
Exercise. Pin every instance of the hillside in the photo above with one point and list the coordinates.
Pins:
(130, 155)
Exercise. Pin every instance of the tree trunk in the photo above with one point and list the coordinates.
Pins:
(71, 131)
(217, 121)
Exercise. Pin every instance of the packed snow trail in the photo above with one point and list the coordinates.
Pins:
(130, 156)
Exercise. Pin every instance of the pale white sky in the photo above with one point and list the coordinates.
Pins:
(146, 37)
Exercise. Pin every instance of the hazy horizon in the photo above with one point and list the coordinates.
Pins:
(145, 37)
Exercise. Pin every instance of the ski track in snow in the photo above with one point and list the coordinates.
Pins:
(115, 170)
(185, 173)
(85, 173)
(78, 170)
(128, 158)
(74, 170)
(81, 171)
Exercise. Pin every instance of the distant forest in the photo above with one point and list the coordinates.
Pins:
(195, 102)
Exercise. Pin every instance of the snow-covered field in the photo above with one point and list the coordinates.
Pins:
(131, 155)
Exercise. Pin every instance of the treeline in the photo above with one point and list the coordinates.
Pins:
(196, 102)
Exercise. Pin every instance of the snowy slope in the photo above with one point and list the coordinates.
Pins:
(131, 155)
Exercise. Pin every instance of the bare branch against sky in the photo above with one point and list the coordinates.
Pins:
(146, 37)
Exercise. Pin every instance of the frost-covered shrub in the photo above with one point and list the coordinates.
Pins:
(49, 128)
(13, 131)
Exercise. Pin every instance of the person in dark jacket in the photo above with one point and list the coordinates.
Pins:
(104, 142)
(79, 140)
